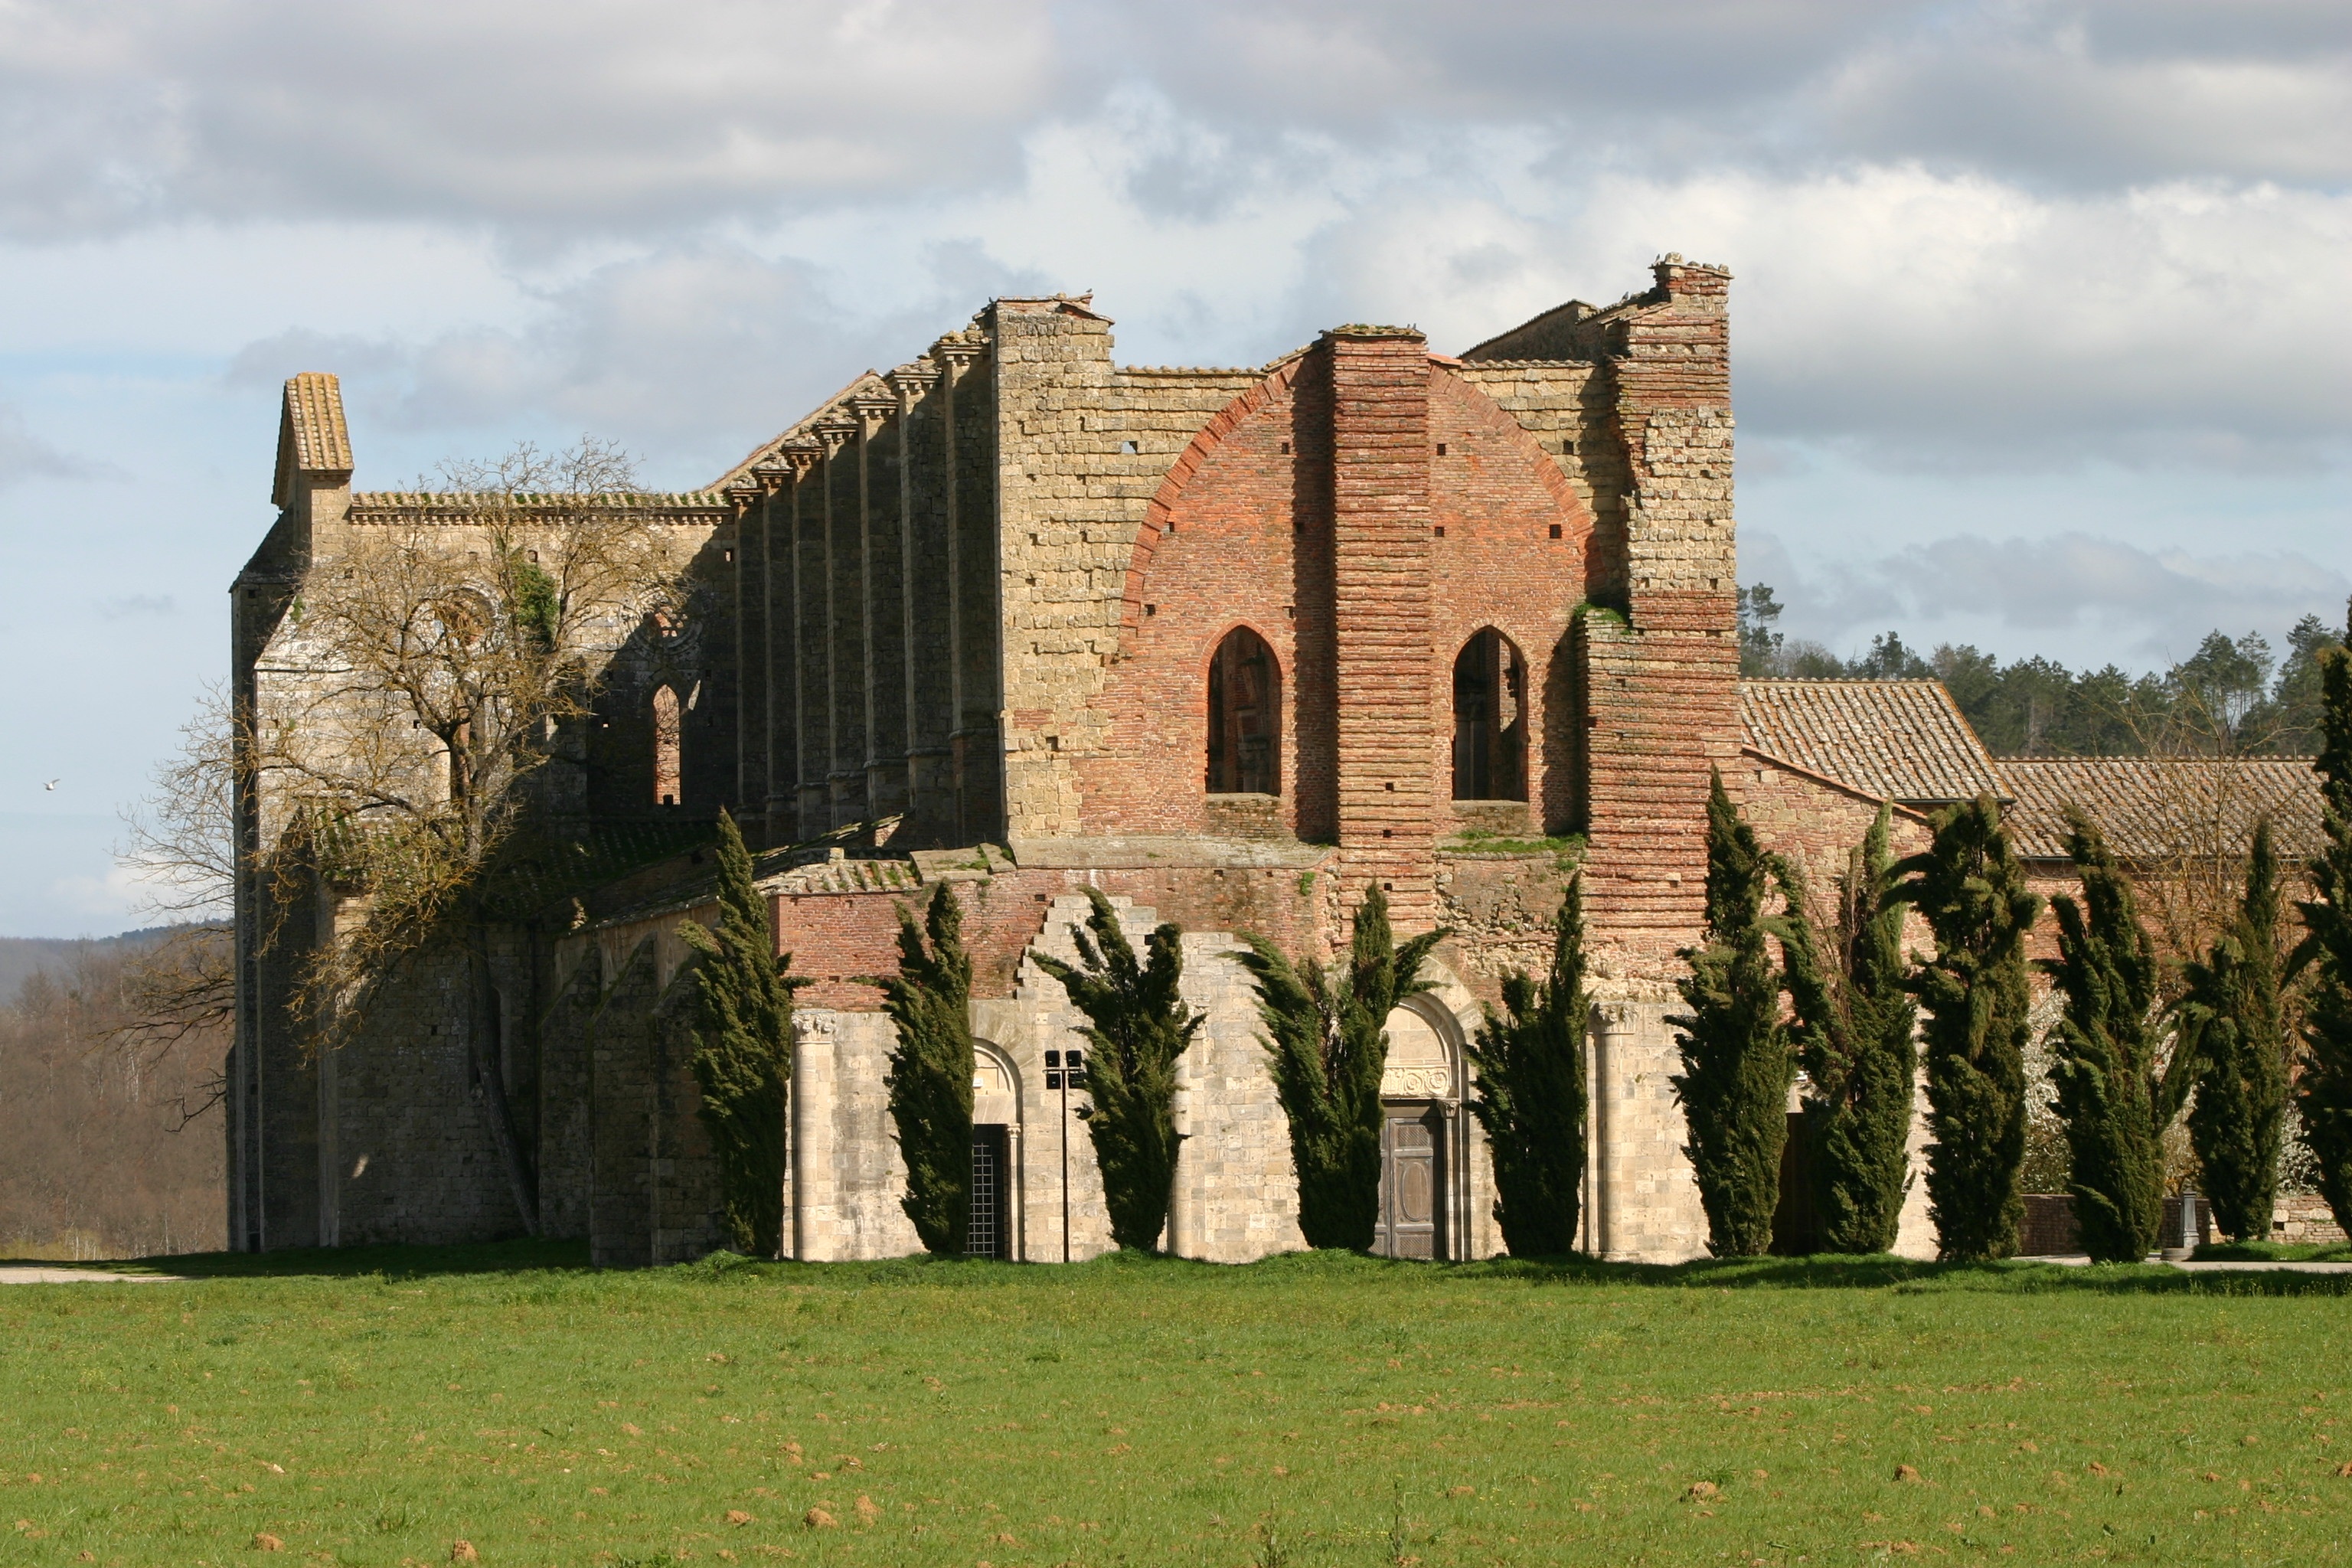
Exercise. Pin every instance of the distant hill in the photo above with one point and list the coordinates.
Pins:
(21, 955)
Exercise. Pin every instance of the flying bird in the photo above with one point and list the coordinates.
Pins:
(53, 783)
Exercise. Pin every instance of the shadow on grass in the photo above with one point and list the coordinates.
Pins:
(2273, 1252)
(1873, 1272)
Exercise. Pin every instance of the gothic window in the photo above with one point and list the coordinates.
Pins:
(1490, 720)
(666, 739)
(1245, 717)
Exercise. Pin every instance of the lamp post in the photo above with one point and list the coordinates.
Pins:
(1066, 1071)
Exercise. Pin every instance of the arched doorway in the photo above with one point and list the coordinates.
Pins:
(1245, 743)
(1490, 720)
(994, 1230)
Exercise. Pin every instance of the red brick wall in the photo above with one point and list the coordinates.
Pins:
(835, 937)
(1817, 825)
(1381, 601)
(1499, 495)
(1216, 552)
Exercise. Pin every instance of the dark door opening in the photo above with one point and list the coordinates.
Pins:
(1796, 1222)
(988, 1235)
(1490, 720)
(1412, 1177)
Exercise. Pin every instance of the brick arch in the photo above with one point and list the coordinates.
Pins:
(1196, 453)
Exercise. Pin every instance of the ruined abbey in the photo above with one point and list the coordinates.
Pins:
(1229, 645)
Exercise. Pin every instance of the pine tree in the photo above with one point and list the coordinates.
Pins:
(929, 999)
(742, 1049)
(1531, 1095)
(2324, 1090)
(1854, 1021)
(1327, 1048)
(2232, 1015)
(1971, 891)
(2113, 1098)
(1139, 1027)
(1737, 1067)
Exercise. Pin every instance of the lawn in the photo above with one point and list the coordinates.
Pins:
(378, 1407)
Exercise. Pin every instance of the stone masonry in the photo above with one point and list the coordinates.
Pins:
(970, 623)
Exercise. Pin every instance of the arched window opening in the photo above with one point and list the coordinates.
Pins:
(1490, 720)
(1245, 717)
(666, 739)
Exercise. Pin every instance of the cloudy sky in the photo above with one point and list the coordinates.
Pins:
(2040, 336)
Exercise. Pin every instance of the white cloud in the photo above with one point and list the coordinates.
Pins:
(25, 456)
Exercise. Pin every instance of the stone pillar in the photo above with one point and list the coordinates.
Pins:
(781, 566)
(845, 589)
(926, 609)
(750, 500)
(976, 744)
(1381, 593)
(1661, 671)
(882, 562)
(813, 643)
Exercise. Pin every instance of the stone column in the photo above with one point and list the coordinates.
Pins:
(927, 608)
(976, 743)
(882, 564)
(781, 567)
(813, 648)
(749, 501)
(845, 589)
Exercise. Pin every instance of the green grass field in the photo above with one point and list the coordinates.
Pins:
(377, 1407)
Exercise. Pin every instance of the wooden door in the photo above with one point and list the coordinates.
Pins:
(1412, 1184)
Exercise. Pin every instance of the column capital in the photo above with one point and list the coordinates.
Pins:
(833, 433)
(770, 476)
(872, 411)
(743, 495)
(911, 381)
(799, 458)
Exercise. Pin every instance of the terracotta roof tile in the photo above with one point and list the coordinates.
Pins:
(312, 435)
(1896, 740)
(2163, 808)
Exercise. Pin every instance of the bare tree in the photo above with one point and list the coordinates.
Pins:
(179, 845)
(445, 657)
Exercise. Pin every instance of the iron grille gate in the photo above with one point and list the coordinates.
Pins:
(987, 1237)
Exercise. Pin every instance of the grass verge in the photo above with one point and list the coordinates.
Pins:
(378, 1406)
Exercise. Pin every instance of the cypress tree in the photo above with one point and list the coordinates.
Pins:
(1138, 1026)
(1971, 891)
(1530, 1093)
(1327, 1048)
(2324, 1090)
(741, 1054)
(2232, 1014)
(1737, 1067)
(929, 999)
(2114, 1100)
(1854, 1021)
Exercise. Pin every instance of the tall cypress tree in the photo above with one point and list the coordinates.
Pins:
(2113, 1098)
(2324, 1092)
(742, 1049)
(929, 1079)
(1971, 890)
(1327, 1046)
(1530, 1094)
(2232, 1015)
(1854, 1021)
(1138, 1028)
(1737, 1067)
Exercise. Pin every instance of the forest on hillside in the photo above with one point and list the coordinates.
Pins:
(110, 1125)
(2233, 695)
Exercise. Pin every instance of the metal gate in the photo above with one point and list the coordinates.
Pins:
(987, 1237)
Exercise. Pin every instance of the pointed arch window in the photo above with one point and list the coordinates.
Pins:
(665, 745)
(1245, 717)
(1490, 720)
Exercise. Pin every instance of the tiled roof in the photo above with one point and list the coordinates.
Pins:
(312, 435)
(456, 507)
(2164, 808)
(1898, 740)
